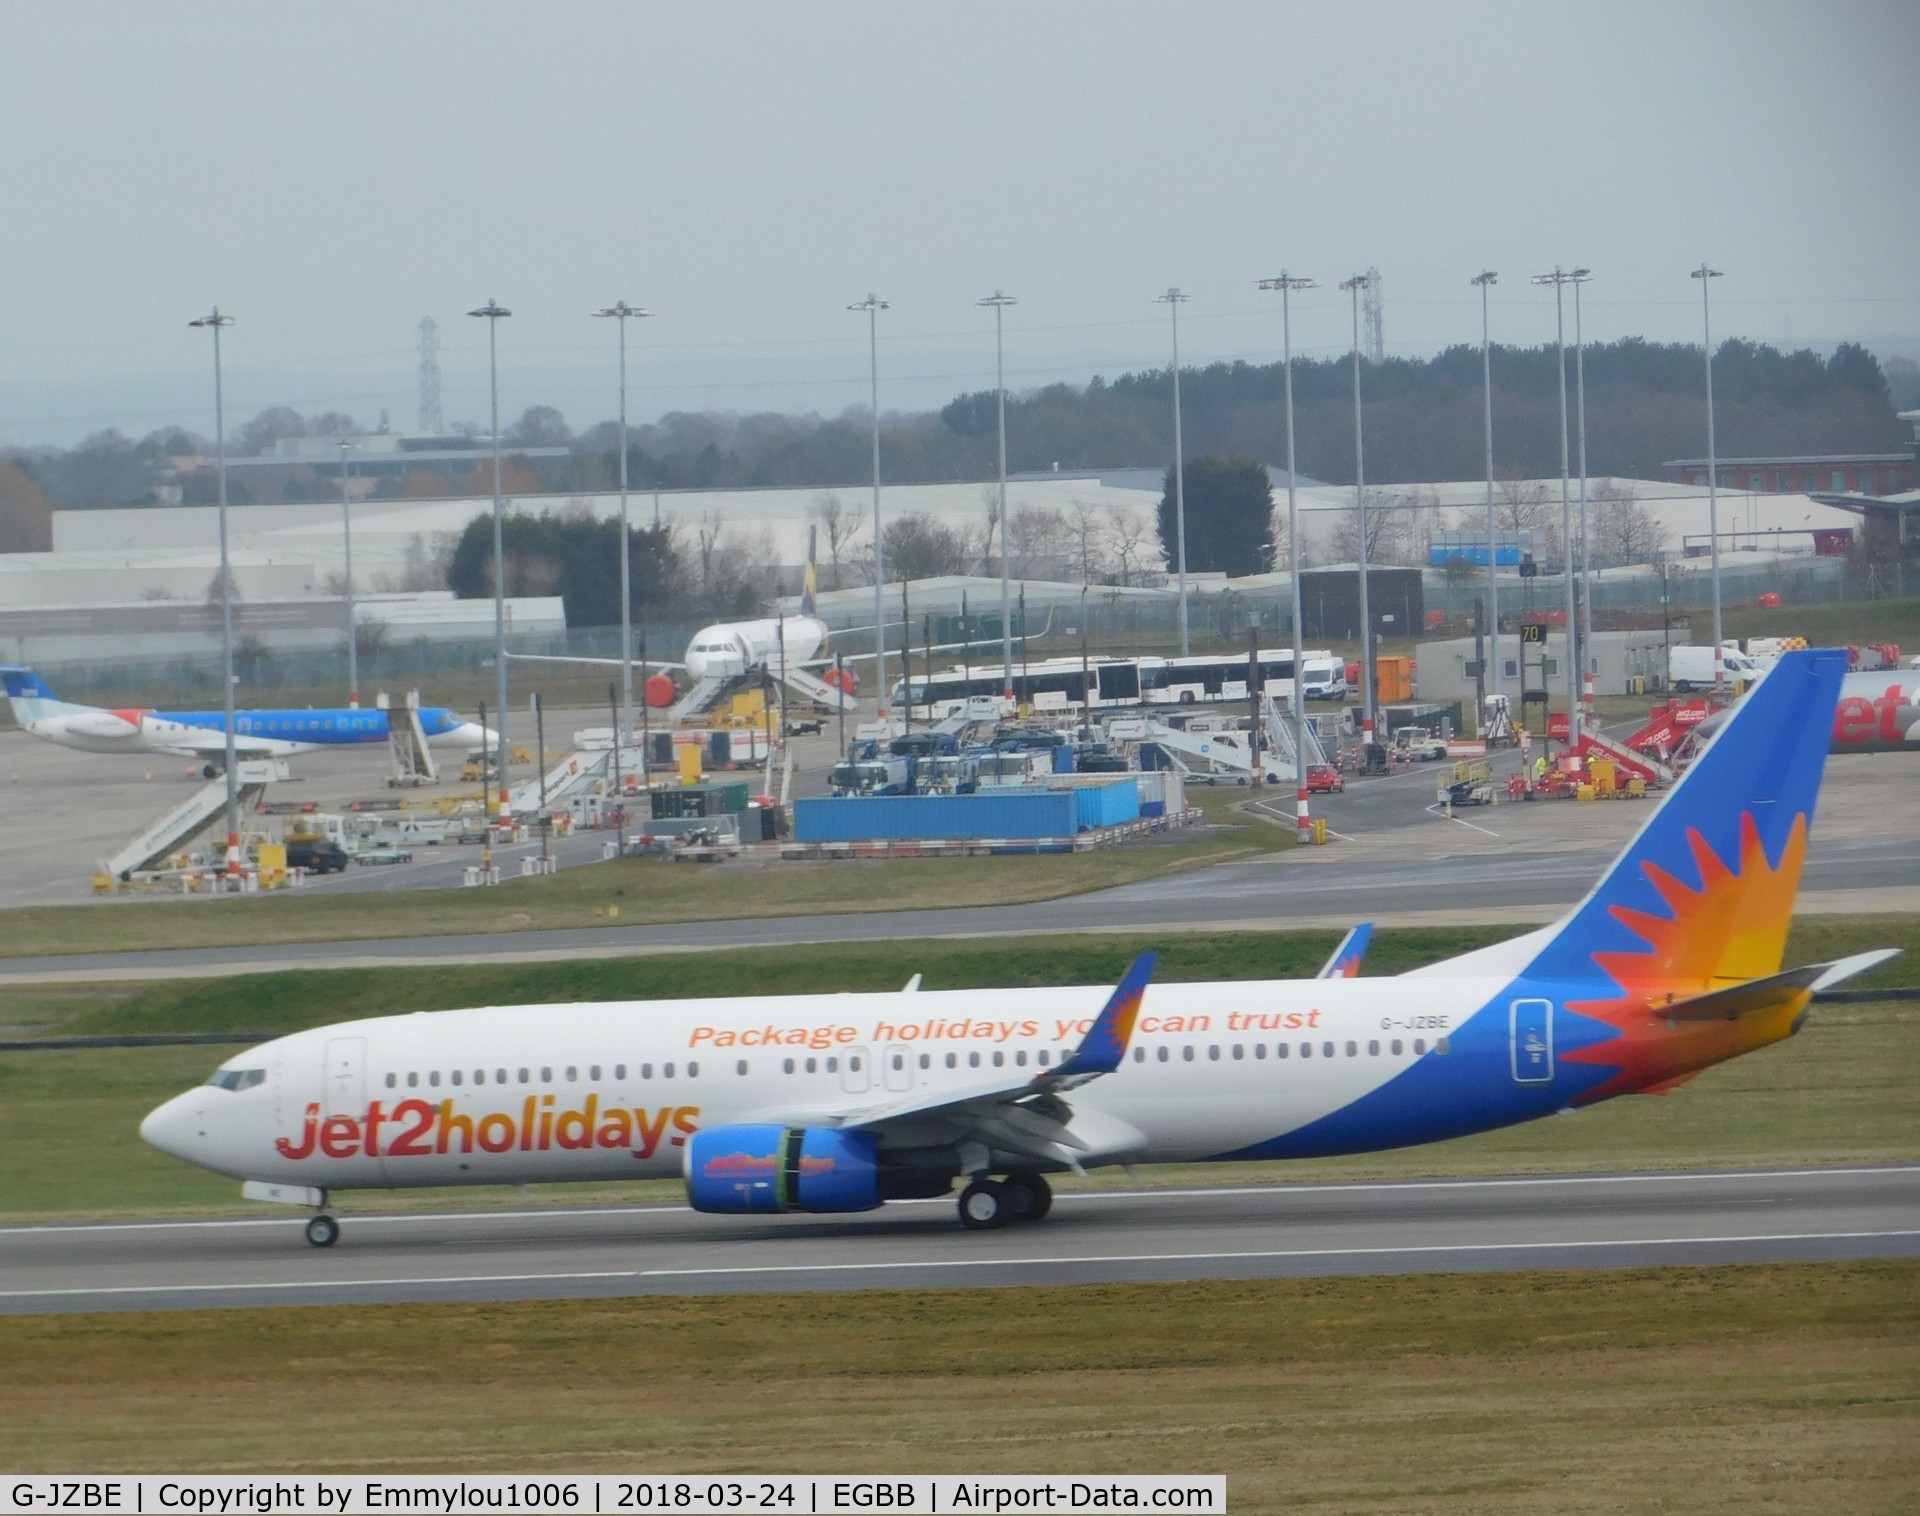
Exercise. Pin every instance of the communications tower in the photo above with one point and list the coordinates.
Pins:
(430, 422)
(1371, 312)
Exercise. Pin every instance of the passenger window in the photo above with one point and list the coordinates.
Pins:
(620, 1071)
(666, 1071)
(525, 1074)
(1259, 1050)
(455, 1076)
(788, 1066)
(1213, 1052)
(594, 1073)
(1021, 1058)
(413, 1081)
(646, 1071)
(499, 1076)
(1042, 1057)
(1326, 1049)
(1187, 1052)
(434, 1079)
(973, 1060)
(899, 1062)
(813, 1065)
(546, 1076)
(572, 1073)
(1419, 1045)
(1353, 1049)
(953, 1060)
(740, 1067)
(1280, 1049)
(833, 1065)
(926, 1062)
(1139, 1055)
(693, 1071)
(392, 1079)
(479, 1076)
(999, 1058)
(1239, 1052)
(1306, 1050)
(1373, 1049)
(853, 1063)
(1395, 1045)
(1165, 1052)
(1443, 1046)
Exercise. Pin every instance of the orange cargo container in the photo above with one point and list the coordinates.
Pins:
(1393, 678)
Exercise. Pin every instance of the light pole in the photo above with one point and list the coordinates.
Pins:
(1705, 275)
(873, 305)
(1579, 277)
(493, 311)
(1486, 280)
(1000, 302)
(1287, 284)
(1557, 279)
(346, 532)
(620, 313)
(1368, 694)
(216, 321)
(1173, 300)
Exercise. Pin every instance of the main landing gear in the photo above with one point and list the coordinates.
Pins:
(989, 1203)
(323, 1231)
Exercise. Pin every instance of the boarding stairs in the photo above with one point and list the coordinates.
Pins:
(407, 742)
(1636, 765)
(574, 775)
(818, 690)
(171, 833)
(699, 700)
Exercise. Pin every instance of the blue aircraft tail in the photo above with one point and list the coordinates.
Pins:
(22, 683)
(1704, 893)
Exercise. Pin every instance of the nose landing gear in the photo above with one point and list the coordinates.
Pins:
(323, 1231)
(988, 1204)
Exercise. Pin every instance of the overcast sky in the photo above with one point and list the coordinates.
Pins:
(330, 173)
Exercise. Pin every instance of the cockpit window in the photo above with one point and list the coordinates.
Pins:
(237, 1079)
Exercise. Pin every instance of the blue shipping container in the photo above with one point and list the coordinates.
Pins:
(998, 812)
(1106, 805)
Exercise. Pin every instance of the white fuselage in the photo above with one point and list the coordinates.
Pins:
(729, 649)
(612, 1091)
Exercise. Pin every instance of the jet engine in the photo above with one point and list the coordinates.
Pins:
(754, 1170)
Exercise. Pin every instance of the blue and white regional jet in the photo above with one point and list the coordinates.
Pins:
(203, 734)
(827, 1103)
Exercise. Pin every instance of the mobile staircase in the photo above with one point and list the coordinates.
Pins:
(171, 833)
(407, 742)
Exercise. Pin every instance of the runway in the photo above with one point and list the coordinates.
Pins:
(1139, 1236)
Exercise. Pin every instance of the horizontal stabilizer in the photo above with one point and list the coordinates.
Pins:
(1773, 991)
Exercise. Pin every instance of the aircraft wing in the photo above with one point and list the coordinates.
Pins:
(1030, 1117)
(642, 664)
(204, 742)
(938, 647)
(1773, 991)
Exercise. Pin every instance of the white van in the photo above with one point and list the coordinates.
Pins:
(1325, 677)
(1691, 668)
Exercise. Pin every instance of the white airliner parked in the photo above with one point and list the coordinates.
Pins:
(828, 1103)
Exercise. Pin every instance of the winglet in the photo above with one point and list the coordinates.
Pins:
(1105, 1044)
(1345, 962)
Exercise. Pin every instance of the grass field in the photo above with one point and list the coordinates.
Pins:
(641, 890)
(1782, 1387)
(1846, 1090)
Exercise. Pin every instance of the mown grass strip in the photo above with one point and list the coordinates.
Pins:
(1698, 1390)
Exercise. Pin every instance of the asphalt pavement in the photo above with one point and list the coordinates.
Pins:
(1421, 1227)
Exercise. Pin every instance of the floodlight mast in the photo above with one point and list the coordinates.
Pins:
(1368, 693)
(1287, 284)
(1559, 278)
(622, 312)
(1173, 300)
(1000, 302)
(493, 312)
(1577, 278)
(215, 322)
(1486, 280)
(1706, 275)
(873, 305)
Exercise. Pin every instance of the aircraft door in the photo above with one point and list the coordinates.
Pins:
(346, 1076)
(856, 1071)
(1530, 1035)
(896, 1067)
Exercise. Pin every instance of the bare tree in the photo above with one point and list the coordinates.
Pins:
(1135, 546)
(989, 530)
(1527, 505)
(1037, 539)
(918, 546)
(1624, 530)
(840, 526)
(1392, 528)
(1088, 539)
(423, 565)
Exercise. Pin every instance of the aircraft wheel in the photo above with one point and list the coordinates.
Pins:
(983, 1206)
(1029, 1197)
(323, 1231)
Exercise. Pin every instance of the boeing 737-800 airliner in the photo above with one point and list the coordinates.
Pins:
(203, 734)
(827, 1103)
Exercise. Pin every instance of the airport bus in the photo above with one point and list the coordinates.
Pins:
(1060, 684)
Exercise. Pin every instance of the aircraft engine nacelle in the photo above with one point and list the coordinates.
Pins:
(661, 691)
(761, 1170)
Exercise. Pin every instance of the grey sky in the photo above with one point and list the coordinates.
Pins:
(332, 172)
